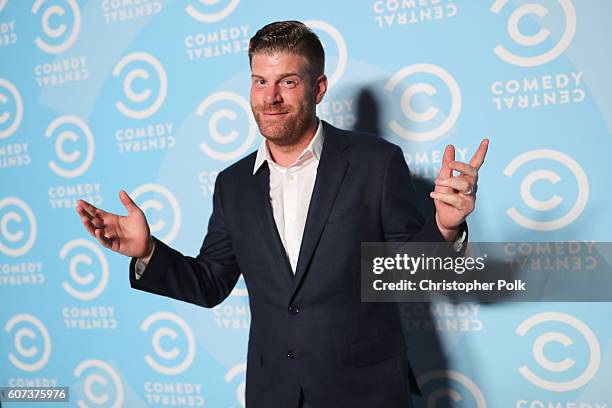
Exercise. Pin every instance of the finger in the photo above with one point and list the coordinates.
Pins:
(90, 223)
(107, 243)
(85, 216)
(127, 202)
(478, 158)
(110, 232)
(88, 220)
(449, 156)
(97, 222)
(445, 171)
(95, 214)
(88, 226)
(83, 213)
(453, 199)
(454, 182)
(464, 169)
(89, 209)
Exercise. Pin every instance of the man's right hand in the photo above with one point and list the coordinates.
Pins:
(129, 235)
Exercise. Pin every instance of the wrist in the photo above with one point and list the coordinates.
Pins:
(149, 252)
(449, 234)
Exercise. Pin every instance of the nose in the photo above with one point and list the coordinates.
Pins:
(272, 94)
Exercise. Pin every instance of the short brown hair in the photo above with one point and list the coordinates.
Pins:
(289, 36)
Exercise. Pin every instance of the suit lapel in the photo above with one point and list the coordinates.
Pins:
(265, 219)
(330, 173)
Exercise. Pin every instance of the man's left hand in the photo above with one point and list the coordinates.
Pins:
(455, 196)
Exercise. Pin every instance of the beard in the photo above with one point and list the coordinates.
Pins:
(286, 129)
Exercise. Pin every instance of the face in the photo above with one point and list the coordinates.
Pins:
(283, 96)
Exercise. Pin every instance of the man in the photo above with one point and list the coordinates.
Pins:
(290, 217)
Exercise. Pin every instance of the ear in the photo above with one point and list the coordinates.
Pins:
(320, 88)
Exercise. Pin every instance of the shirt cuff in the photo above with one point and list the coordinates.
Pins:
(458, 244)
(139, 268)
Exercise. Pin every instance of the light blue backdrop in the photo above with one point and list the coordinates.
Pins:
(152, 97)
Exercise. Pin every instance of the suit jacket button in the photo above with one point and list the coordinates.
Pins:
(293, 309)
(290, 354)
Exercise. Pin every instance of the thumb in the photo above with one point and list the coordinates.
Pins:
(127, 202)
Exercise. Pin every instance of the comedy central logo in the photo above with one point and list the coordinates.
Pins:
(145, 73)
(92, 283)
(31, 340)
(208, 11)
(17, 227)
(71, 131)
(168, 361)
(238, 371)
(57, 38)
(549, 175)
(323, 29)
(101, 385)
(11, 108)
(440, 386)
(558, 323)
(426, 88)
(154, 200)
(530, 42)
(222, 109)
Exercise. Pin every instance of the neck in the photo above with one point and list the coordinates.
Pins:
(286, 155)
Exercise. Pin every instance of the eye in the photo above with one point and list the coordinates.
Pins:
(259, 82)
(289, 83)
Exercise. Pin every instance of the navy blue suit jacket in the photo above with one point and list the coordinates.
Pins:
(309, 331)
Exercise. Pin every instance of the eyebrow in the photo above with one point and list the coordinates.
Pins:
(281, 76)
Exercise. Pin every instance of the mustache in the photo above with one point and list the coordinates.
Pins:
(273, 108)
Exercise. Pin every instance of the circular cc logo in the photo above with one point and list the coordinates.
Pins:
(527, 186)
(75, 131)
(532, 40)
(168, 224)
(16, 239)
(61, 37)
(323, 27)
(11, 108)
(101, 386)
(145, 102)
(238, 371)
(31, 354)
(226, 103)
(171, 363)
(565, 365)
(86, 286)
(426, 122)
(440, 385)
(213, 13)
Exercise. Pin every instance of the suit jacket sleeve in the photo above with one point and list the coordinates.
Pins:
(204, 280)
(402, 218)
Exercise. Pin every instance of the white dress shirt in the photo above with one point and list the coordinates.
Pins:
(290, 192)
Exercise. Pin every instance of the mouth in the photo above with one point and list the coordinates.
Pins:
(274, 115)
